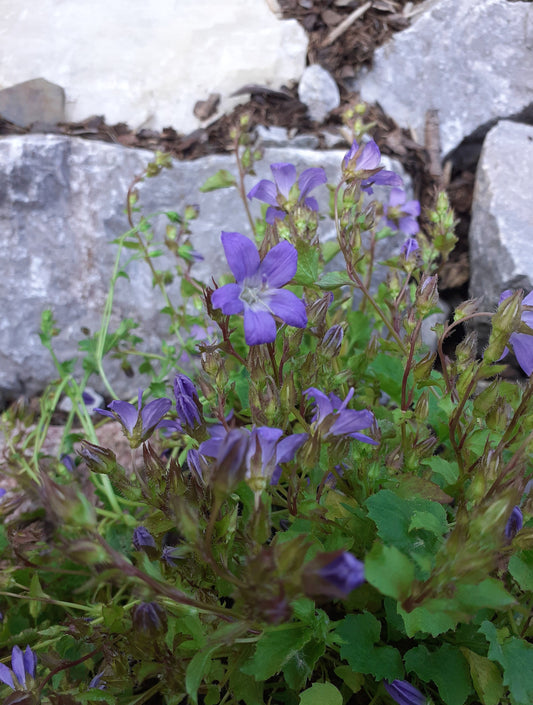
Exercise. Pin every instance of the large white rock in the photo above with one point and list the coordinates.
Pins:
(62, 203)
(501, 231)
(472, 60)
(148, 63)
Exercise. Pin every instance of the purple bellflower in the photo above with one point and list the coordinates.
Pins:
(257, 291)
(514, 523)
(332, 418)
(522, 343)
(280, 193)
(137, 424)
(188, 405)
(400, 214)
(345, 573)
(97, 681)
(363, 163)
(142, 538)
(22, 664)
(404, 693)
(409, 247)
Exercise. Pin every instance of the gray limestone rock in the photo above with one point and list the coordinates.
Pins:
(501, 231)
(62, 203)
(317, 89)
(471, 60)
(33, 101)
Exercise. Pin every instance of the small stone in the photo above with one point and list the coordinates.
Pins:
(501, 230)
(272, 136)
(33, 101)
(204, 109)
(319, 92)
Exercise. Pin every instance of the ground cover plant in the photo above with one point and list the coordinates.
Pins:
(319, 507)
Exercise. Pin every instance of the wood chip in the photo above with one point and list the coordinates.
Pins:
(343, 26)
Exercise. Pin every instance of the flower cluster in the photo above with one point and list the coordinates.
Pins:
(362, 163)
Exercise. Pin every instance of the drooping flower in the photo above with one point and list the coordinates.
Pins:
(400, 214)
(522, 343)
(280, 194)
(97, 681)
(257, 291)
(138, 423)
(22, 664)
(514, 523)
(188, 405)
(363, 163)
(404, 693)
(332, 418)
(149, 617)
(142, 539)
(345, 572)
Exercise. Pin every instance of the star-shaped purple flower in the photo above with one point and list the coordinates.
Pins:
(278, 194)
(363, 163)
(400, 214)
(257, 291)
(522, 343)
(332, 418)
(138, 423)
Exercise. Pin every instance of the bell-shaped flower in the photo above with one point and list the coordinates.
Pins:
(281, 194)
(362, 163)
(138, 423)
(409, 247)
(23, 664)
(404, 693)
(522, 343)
(514, 523)
(400, 214)
(332, 418)
(188, 405)
(257, 291)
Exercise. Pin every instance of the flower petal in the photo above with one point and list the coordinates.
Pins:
(350, 154)
(279, 265)
(259, 327)
(274, 214)
(264, 191)
(312, 204)
(227, 298)
(412, 208)
(126, 412)
(284, 176)
(404, 693)
(396, 197)
(153, 412)
(287, 447)
(408, 225)
(386, 178)
(523, 350)
(30, 661)
(370, 156)
(17, 664)
(351, 420)
(322, 403)
(310, 179)
(288, 307)
(242, 255)
(6, 676)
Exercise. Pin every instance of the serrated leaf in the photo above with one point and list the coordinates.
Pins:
(488, 593)
(389, 571)
(360, 633)
(516, 657)
(307, 271)
(299, 668)
(486, 677)
(222, 179)
(433, 617)
(448, 471)
(446, 667)
(321, 694)
(521, 568)
(333, 280)
(354, 681)
(274, 649)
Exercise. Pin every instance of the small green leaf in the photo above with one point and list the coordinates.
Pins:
(196, 670)
(446, 667)
(274, 649)
(222, 179)
(307, 272)
(433, 617)
(521, 568)
(488, 593)
(389, 571)
(333, 280)
(354, 681)
(486, 677)
(321, 694)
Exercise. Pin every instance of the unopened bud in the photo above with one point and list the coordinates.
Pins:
(467, 308)
(466, 351)
(332, 340)
(423, 367)
(427, 295)
(150, 618)
(505, 321)
(87, 552)
(422, 407)
(98, 459)
(317, 311)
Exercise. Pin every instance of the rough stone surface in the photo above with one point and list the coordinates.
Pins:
(148, 64)
(62, 203)
(318, 90)
(501, 231)
(470, 60)
(33, 101)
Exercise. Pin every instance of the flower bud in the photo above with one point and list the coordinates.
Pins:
(98, 459)
(143, 540)
(150, 618)
(505, 321)
(317, 311)
(427, 295)
(514, 523)
(422, 407)
(87, 552)
(332, 341)
(333, 574)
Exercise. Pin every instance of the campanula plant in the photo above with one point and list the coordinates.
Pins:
(329, 509)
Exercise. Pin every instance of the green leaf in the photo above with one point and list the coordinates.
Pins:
(488, 593)
(521, 568)
(299, 668)
(486, 677)
(446, 667)
(95, 695)
(354, 681)
(274, 649)
(389, 571)
(222, 179)
(196, 670)
(516, 657)
(321, 694)
(333, 280)
(447, 472)
(433, 617)
(307, 271)
(330, 249)
(360, 632)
